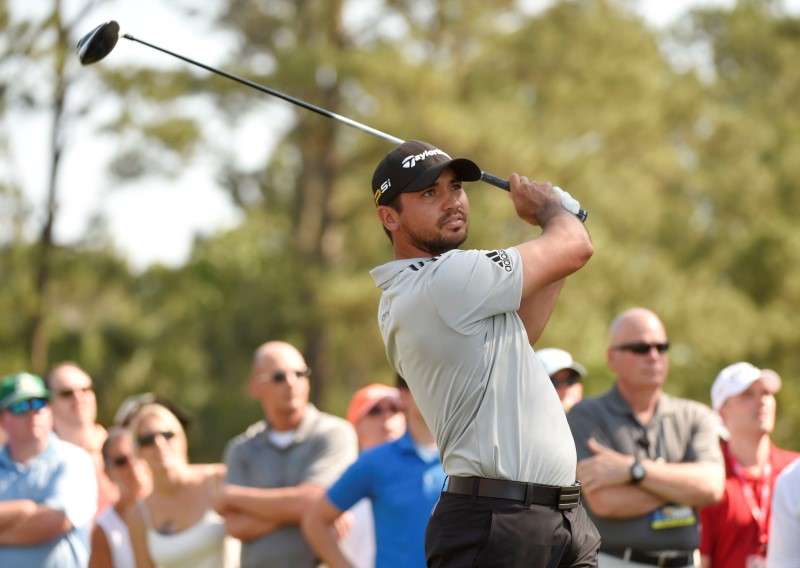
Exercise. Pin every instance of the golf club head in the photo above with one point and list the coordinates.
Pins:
(98, 43)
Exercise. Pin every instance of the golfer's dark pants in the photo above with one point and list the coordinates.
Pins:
(470, 531)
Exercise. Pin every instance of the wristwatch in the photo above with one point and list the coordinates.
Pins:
(637, 472)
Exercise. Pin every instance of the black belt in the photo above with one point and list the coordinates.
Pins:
(527, 493)
(666, 559)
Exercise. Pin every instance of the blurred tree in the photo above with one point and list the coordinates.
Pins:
(42, 46)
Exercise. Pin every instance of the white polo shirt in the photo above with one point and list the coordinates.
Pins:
(451, 330)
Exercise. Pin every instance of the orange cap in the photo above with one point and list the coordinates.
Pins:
(367, 397)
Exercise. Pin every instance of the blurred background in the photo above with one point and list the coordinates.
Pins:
(158, 223)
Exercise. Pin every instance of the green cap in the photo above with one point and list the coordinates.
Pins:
(21, 386)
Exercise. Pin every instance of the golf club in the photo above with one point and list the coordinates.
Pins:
(99, 42)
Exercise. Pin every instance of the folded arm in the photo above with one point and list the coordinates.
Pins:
(694, 484)
(606, 480)
(622, 502)
(25, 523)
(247, 527)
(281, 505)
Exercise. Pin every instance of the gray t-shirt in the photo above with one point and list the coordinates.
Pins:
(451, 329)
(680, 431)
(323, 447)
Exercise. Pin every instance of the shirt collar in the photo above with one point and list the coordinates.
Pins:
(407, 445)
(382, 274)
(8, 461)
(665, 406)
(303, 430)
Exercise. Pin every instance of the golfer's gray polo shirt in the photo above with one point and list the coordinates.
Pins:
(451, 329)
(323, 447)
(680, 431)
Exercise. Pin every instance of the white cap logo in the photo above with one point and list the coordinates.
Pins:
(411, 160)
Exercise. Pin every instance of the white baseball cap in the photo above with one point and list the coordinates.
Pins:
(555, 360)
(737, 378)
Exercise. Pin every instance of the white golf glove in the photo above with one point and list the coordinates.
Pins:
(567, 201)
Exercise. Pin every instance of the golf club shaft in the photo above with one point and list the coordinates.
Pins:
(274, 93)
(485, 176)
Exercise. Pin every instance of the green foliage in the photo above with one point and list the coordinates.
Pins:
(690, 179)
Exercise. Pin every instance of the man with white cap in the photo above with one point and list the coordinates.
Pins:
(735, 531)
(565, 373)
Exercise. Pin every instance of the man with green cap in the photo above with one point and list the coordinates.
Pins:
(48, 489)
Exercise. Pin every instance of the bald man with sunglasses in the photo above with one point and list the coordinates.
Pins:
(647, 460)
(282, 464)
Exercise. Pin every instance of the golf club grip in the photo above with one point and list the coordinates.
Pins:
(495, 181)
(503, 184)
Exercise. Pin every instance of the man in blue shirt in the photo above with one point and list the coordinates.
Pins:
(48, 489)
(403, 479)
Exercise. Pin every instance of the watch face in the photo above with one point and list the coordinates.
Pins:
(637, 472)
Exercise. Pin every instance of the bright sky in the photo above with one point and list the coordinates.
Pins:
(156, 220)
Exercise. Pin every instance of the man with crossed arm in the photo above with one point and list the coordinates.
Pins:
(646, 460)
(48, 490)
(282, 464)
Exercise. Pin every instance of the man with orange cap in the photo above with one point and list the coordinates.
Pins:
(376, 413)
(402, 479)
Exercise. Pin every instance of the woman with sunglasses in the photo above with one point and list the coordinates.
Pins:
(176, 525)
(111, 543)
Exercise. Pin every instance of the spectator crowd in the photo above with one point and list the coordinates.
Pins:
(666, 480)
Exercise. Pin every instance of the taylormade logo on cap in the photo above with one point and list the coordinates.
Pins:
(413, 166)
(411, 161)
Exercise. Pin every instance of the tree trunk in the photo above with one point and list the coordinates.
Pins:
(39, 341)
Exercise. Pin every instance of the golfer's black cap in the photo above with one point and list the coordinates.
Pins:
(414, 166)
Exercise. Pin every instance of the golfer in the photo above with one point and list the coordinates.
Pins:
(459, 325)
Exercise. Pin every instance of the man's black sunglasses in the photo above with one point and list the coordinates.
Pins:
(66, 393)
(643, 348)
(380, 409)
(282, 376)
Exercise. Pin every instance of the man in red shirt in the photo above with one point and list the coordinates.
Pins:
(734, 531)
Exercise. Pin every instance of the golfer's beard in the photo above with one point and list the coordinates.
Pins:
(439, 244)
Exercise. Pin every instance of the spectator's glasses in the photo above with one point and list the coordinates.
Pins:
(282, 376)
(389, 409)
(28, 405)
(147, 440)
(120, 461)
(67, 393)
(643, 348)
(572, 379)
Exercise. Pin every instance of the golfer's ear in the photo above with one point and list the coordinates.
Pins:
(389, 217)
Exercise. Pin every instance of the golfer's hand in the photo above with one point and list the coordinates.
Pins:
(535, 202)
(606, 468)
